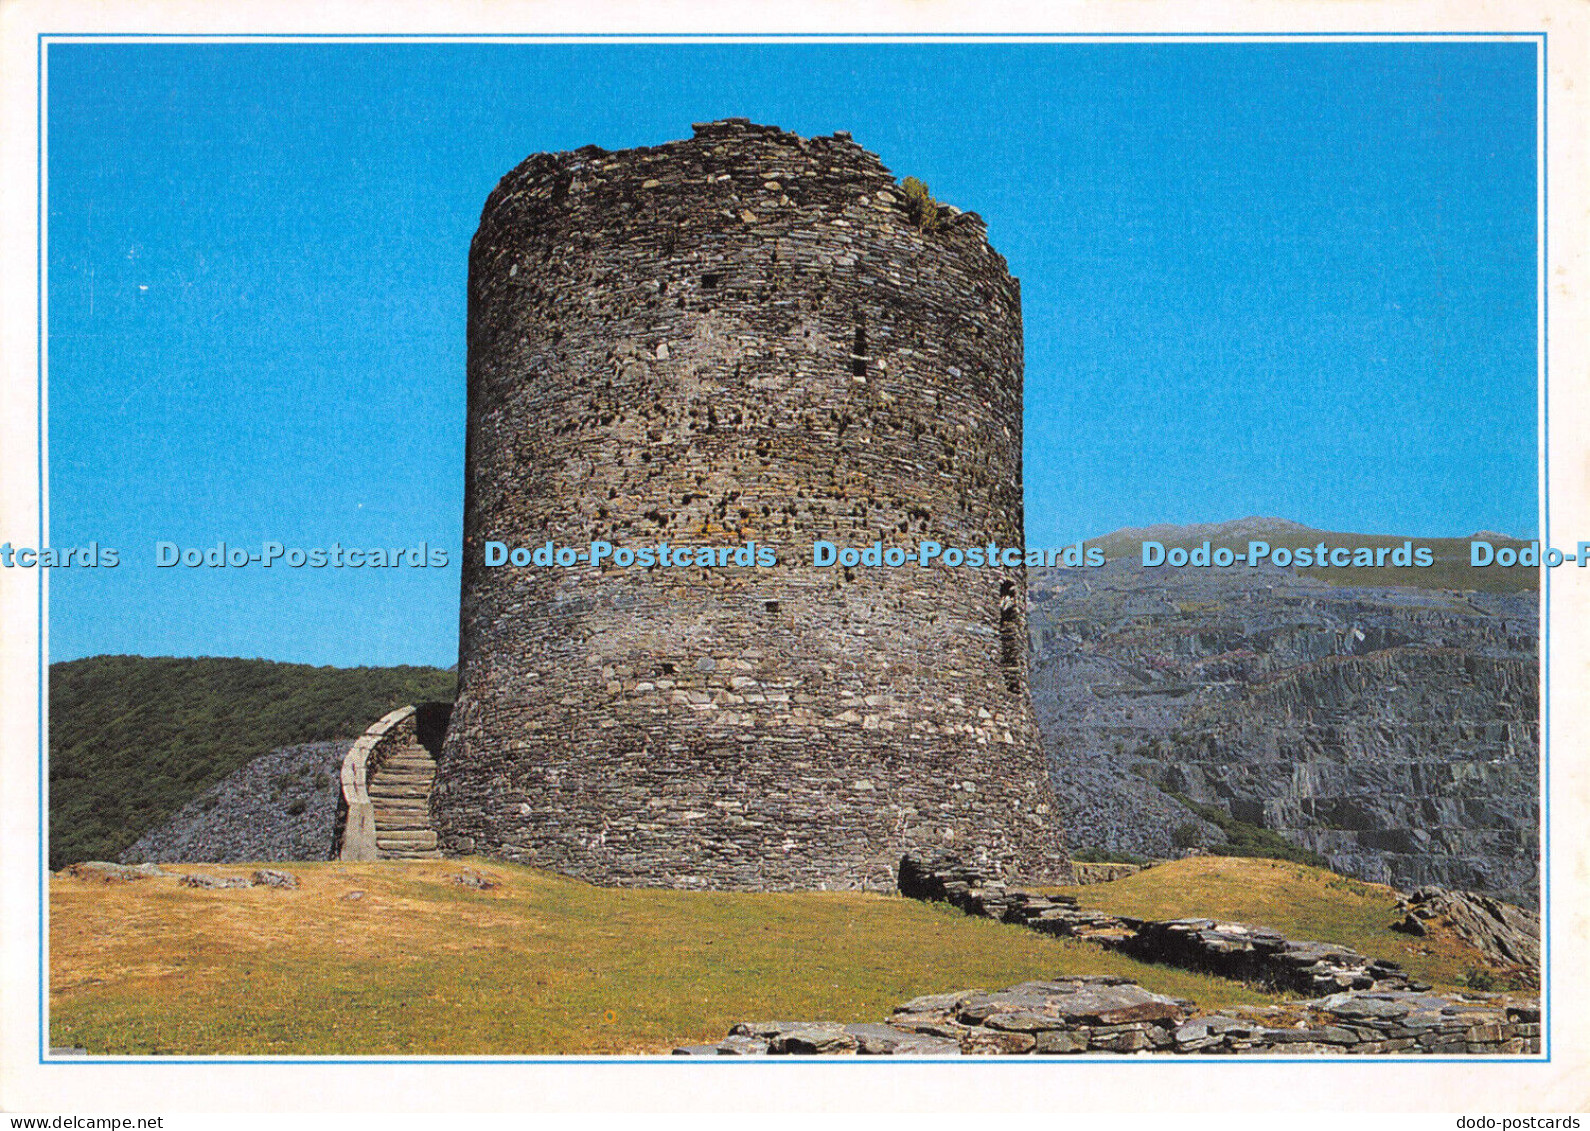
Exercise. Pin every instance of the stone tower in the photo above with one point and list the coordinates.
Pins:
(745, 336)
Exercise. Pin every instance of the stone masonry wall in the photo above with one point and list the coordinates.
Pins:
(740, 337)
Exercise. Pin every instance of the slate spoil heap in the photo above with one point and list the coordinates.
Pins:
(281, 806)
(1393, 730)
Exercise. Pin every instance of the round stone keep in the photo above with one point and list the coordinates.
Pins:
(743, 338)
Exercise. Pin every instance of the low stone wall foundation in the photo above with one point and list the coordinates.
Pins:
(1108, 1014)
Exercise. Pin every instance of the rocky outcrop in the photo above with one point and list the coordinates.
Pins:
(100, 871)
(1105, 1014)
(1393, 730)
(1508, 936)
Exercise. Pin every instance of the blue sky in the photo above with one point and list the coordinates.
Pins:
(1290, 279)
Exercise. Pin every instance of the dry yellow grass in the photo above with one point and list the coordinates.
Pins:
(540, 965)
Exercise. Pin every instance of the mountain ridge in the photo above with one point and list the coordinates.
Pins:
(1451, 568)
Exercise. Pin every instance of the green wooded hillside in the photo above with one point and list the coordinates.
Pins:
(134, 738)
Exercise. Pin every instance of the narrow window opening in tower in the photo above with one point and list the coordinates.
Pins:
(1009, 641)
(709, 281)
(858, 353)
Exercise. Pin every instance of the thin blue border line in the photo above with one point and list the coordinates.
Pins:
(43, 665)
(878, 1061)
(1543, 291)
(812, 37)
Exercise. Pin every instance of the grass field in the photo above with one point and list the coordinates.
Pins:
(540, 965)
(1297, 900)
(547, 965)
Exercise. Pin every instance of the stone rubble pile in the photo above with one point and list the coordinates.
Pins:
(1109, 1014)
(1507, 935)
(823, 1038)
(271, 878)
(262, 878)
(211, 883)
(1230, 950)
(110, 873)
(106, 872)
(479, 881)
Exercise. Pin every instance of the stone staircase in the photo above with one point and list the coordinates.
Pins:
(400, 791)
(384, 811)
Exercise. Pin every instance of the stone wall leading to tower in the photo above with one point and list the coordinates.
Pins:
(733, 338)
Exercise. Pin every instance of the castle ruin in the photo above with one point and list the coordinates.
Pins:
(746, 336)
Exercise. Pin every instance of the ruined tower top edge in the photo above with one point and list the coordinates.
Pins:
(863, 171)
